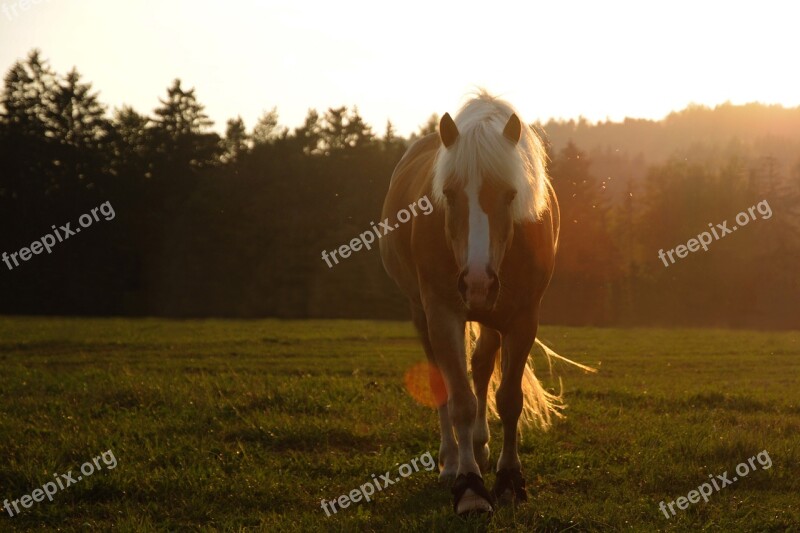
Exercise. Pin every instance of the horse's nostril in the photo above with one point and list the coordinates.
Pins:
(494, 281)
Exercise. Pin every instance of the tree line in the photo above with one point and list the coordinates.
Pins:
(233, 225)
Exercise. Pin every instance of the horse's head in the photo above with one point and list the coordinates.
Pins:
(479, 200)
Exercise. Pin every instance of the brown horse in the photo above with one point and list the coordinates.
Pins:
(484, 255)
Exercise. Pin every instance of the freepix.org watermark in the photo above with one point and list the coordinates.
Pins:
(47, 242)
(378, 483)
(719, 482)
(12, 10)
(368, 237)
(705, 238)
(62, 481)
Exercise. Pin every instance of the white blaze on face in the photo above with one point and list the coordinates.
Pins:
(478, 239)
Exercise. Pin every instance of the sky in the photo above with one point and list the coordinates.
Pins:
(405, 60)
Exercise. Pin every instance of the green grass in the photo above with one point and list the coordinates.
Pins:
(247, 425)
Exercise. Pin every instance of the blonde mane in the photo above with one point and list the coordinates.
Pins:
(481, 151)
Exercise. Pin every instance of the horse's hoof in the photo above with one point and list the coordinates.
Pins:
(471, 503)
(470, 495)
(509, 487)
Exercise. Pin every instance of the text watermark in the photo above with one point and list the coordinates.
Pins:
(65, 232)
(62, 481)
(368, 489)
(12, 10)
(705, 238)
(705, 490)
(368, 237)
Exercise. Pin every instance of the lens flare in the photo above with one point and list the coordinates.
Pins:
(425, 384)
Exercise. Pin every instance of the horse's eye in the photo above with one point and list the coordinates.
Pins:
(450, 195)
(510, 196)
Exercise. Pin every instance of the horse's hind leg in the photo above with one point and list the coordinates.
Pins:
(483, 360)
(448, 448)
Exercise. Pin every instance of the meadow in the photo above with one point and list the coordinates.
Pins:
(247, 425)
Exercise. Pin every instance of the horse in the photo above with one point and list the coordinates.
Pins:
(484, 255)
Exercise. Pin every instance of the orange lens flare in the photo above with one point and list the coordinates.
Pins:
(425, 384)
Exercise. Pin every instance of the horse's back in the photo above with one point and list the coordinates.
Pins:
(412, 175)
(411, 180)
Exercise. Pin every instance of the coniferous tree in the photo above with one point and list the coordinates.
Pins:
(237, 142)
(266, 129)
(28, 103)
(310, 134)
(181, 131)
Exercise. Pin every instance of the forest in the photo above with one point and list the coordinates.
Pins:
(233, 224)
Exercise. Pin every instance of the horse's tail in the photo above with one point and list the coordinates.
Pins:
(538, 405)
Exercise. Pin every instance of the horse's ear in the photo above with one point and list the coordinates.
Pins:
(513, 129)
(448, 131)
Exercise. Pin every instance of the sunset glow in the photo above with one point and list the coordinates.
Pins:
(552, 59)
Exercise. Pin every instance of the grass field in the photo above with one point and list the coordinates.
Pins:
(247, 425)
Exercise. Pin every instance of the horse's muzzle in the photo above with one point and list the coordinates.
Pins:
(478, 290)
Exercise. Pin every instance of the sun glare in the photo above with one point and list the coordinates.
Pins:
(599, 61)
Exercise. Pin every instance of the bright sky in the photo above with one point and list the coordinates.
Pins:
(405, 60)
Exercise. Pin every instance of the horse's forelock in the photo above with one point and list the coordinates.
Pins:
(481, 151)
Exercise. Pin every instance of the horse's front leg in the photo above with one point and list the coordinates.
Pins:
(517, 343)
(446, 333)
(448, 448)
(483, 360)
